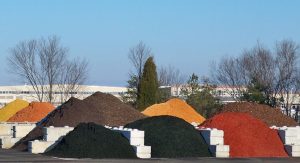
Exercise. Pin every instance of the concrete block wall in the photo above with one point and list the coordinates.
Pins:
(215, 139)
(51, 137)
(12, 132)
(5, 129)
(7, 142)
(136, 139)
(40, 146)
(290, 137)
(55, 133)
(20, 131)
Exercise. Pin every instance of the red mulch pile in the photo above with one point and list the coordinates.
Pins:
(247, 136)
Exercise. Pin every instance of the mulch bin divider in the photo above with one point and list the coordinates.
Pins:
(215, 139)
(51, 137)
(12, 132)
(136, 139)
(290, 137)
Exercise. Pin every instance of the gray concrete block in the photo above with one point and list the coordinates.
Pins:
(142, 149)
(219, 148)
(20, 131)
(38, 146)
(55, 133)
(221, 154)
(8, 142)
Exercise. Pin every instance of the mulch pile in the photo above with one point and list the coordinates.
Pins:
(247, 136)
(35, 112)
(171, 137)
(100, 108)
(89, 140)
(271, 116)
(11, 109)
(177, 108)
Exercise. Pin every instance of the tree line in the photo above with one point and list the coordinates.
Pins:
(147, 86)
(268, 75)
(258, 74)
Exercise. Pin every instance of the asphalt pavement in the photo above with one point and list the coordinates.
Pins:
(17, 156)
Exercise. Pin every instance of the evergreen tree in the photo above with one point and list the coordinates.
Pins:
(200, 97)
(148, 87)
(130, 96)
(255, 93)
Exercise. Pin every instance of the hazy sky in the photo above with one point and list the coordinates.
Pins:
(186, 34)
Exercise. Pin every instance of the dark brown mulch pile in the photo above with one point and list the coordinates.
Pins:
(271, 116)
(100, 108)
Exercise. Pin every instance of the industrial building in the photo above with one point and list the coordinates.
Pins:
(27, 93)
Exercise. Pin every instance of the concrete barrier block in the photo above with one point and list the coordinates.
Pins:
(38, 146)
(5, 129)
(215, 141)
(219, 148)
(292, 148)
(143, 155)
(55, 133)
(137, 141)
(295, 154)
(134, 133)
(8, 142)
(290, 140)
(212, 133)
(142, 149)
(288, 132)
(20, 131)
(221, 154)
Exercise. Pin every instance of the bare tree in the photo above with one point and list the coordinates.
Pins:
(52, 58)
(74, 74)
(230, 73)
(287, 55)
(23, 62)
(170, 76)
(278, 72)
(138, 56)
(259, 65)
(44, 64)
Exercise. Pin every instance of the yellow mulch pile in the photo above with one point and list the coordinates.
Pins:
(11, 109)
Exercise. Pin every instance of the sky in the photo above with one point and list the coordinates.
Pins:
(186, 34)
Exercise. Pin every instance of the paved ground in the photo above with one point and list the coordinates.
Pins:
(15, 156)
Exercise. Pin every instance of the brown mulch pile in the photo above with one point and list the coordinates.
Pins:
(100, 108)
(271, 116)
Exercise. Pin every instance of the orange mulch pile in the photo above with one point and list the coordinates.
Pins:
(35, 112)
(177, 108)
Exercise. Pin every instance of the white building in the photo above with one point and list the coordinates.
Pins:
(27, 93)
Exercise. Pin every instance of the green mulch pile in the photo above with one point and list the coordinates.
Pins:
(171, 137)
(89, 140)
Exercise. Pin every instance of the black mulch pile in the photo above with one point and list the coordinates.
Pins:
(171, 137)
(89, 140)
